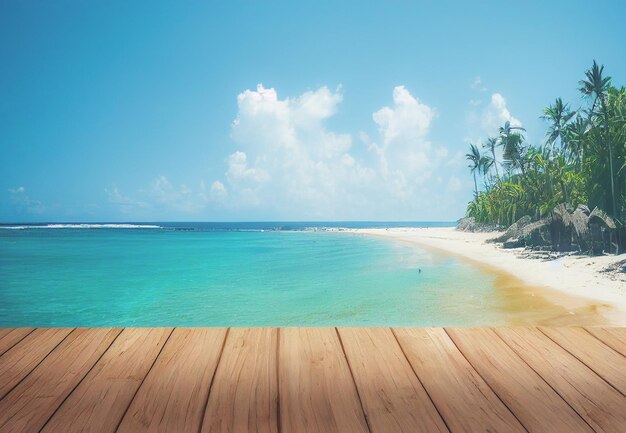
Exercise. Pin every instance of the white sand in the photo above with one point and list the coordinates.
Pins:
(568, 281)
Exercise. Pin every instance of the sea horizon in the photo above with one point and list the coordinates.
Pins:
(236, 274)
(235, 224)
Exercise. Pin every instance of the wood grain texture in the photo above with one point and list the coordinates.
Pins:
(244, 393)
(465, 401)
(174, 394)
(538, 407)
(596, 401)
(20, 360)
(392, 396)
(615, 338)
(99, 402)
(606, 362)
(9, 337)
(31, 403)
(316, 389)
(312, 380)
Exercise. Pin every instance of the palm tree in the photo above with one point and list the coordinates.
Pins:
(558, 115)
(490, 145)
(512, 144)
(575, 133)
(476, 164)
(597, 86)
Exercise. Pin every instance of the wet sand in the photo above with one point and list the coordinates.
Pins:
(569, 291)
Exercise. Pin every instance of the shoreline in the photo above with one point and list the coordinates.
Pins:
(574, 283)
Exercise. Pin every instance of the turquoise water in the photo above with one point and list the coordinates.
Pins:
(243, 277)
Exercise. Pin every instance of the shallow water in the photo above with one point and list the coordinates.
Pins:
(242, 277)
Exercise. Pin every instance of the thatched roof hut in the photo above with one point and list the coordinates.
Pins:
(580, 221)
(561, 214)
(598, 216)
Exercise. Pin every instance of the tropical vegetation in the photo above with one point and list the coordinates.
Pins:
(582, 161)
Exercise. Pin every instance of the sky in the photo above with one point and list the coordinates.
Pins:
(261, 111)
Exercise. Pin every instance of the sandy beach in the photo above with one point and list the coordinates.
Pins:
(575, 283)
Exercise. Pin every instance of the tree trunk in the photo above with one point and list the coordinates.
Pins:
(495, 162)
(608, 144)
(475, 186)
(563, 190)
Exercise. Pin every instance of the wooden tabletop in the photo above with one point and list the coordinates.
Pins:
(292, 380)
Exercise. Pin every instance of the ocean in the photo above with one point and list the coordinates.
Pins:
(235, 274)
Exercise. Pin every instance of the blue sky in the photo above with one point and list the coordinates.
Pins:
(154, 111)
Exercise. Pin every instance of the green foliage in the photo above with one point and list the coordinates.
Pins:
(499, 205)
(583, 160)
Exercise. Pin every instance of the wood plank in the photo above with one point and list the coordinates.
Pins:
(174, 394)
(244, 393)
(30, 404)
(20, 360)
(465, 401)
(596, 401)
(316, 389)
(101, 399)
(538, 407)
(599, 357)
(393, 398)
(9, 337)
(615, 338)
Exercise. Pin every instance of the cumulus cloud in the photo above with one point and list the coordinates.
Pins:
(286, 162)
(240, 172)
(218, 190)
(407, 121)
(407, 157)
(497, 113)
(287, 159)
(484, 122)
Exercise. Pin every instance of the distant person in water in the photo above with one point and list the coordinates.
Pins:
(420, 270)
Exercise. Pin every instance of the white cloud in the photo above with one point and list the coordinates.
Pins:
(180, 198)
(125, 203)
(285, 155)
(477, 84)
(408, 121)
(23, 203)
(218, 190)
(485, 122)
(287, 160)
(497, 113)
(161, 195)
(239, 172)
(287, 163)
(407, 157)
